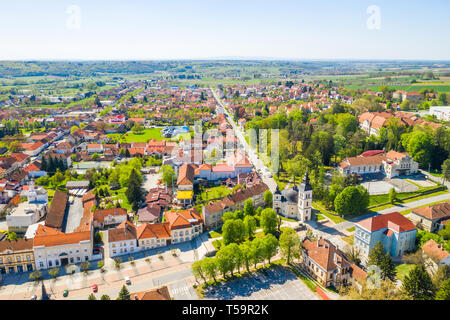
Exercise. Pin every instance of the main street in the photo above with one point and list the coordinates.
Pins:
(252, 155)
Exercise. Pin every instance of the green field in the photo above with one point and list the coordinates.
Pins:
(214, 193)
(145, 136)
(403, 270)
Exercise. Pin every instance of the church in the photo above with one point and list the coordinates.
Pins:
(296, 202)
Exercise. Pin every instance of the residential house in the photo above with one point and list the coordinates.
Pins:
(184, 225)
(431, 218)
(161, 293)
(326, 263)
(122, 239)
(109, 217)
(435, 255)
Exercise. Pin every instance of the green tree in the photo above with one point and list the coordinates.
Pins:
(224, 259)
(249, 208)
(167, 174)
(289, 244)
(246, 249)
(352, 200)
(237, 255)
(446, 169)
(270, 246)
(269, 221)
(209, 265)
(268, 198)
(257, 251)
(54, 272)
(420, 146)
(124, 294)
(376, 255)
(418, 285)
(250, 226)
(233, 231)
(105, 297)
(197, 270)
(387, 268)
(92, 297)
(444, 291)
(134, 192)
(392, 195)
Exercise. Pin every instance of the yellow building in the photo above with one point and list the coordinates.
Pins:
(16, 256)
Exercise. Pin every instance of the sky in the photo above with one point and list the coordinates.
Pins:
(208, 29)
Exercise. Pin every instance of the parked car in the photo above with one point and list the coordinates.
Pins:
(94, 288)
(65, 293)
(127, 280)
(33, 297)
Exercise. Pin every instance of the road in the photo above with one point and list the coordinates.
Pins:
(253, 157)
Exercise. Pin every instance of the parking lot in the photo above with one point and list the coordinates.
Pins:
(277, 283)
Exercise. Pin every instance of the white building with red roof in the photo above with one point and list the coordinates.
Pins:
(396, 232)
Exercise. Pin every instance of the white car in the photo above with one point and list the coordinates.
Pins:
(127, 280)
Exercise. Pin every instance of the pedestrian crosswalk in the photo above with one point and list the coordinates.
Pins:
(179, 291)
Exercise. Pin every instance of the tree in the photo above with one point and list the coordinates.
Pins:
(224, 259)
(257, 251)
(197, 270)
(92, 297)
(352, 200)
(418, 285)
(289, 244)
(268, 198)
(124, 294)
(168, 173)
(54, 272)
(387, 268)
(233, 231)
(269, 221)
(420, 146)
(376, 255)
(392, 195)
(228, 216)
(249, 226)
(134, 192)
(246, 249)
(85, 265)
(249, 208)
(35, 275)
(105, 297)
(446, 169)
(237, 256)
(11, 236)
(444, 291)
(270, 246)
(353, 254)
(209, 265)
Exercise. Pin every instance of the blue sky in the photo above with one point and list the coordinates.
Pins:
(197, 29)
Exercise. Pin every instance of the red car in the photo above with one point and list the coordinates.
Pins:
(95, 288)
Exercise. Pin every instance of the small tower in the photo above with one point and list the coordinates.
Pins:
(277, 200)
(304, 199)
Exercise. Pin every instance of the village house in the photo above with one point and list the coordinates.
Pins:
(184, 225)
(151, 236)
(122, 239)
(326, 263)
(431, 218)
(109, 217)
(161, 293)
(185, 184)
(435, 255)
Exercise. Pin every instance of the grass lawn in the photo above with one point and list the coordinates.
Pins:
(335, 219)
(216, 233)
(213, 193)
(349, 239)
(145, 136)
(320, 217)
(403, 270)
(351, 229)
(121, 196)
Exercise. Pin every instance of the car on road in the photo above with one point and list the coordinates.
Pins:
(33, 297)
(127, 280)
(94, 288)
(65, 293)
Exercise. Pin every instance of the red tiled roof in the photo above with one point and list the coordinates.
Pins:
(394, 221)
